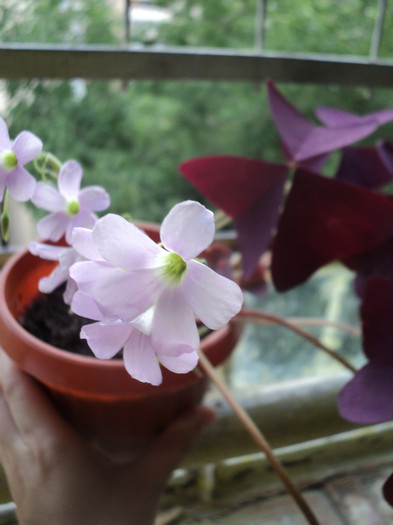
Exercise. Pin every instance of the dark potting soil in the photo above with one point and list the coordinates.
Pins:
(48, 318)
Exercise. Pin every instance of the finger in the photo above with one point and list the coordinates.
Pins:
(30, 408)
(169, 448)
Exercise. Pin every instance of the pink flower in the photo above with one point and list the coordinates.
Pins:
(140, 354)
(134, 274)
(13, 155)
(66, 256)
(70, 206)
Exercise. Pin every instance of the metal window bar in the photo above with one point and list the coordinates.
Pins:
(260, 18)
(378, 30)
(22, 61)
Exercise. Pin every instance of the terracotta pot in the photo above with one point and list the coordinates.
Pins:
(109, 408)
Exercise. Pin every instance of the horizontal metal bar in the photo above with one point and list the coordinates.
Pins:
(21, 61)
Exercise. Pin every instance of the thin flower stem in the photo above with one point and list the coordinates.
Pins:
(260, 317)
(314, 321)
(259, 439)
(5, 219)
(47, 165)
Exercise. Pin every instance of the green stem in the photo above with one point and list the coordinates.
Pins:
(5, 218)
(47, 165)
(258, 438)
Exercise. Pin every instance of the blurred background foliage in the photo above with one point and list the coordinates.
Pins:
(130, 137)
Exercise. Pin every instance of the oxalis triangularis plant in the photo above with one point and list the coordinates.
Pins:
(143, 298)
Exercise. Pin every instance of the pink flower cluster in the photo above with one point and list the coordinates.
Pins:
(144, 297)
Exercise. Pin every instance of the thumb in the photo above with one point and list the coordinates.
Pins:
(171, 445)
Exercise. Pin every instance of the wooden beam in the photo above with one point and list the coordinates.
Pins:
(22, 61)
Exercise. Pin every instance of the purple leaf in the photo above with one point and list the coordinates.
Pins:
(368, 397)
(385, 150)
(364, 166)
(337, 117)
(248, 190)
(325, 220)
(304, 140)
(377, 261)
(377, 321)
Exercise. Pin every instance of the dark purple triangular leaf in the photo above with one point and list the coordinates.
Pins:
(248, 190)
(363, 166)
(256, 224)
(377, 261)
(337, 117)
(314, 164)
(385, 150)
(325, 220)
(377, 321)
(303, 140)
(368, 397)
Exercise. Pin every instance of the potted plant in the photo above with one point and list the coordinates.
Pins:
(98, 397)
(139, 293)
(115, 409)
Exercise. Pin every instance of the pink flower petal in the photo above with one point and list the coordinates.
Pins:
(140, 359)
(26, 147)
(174, 324)
(82, 242)
(181, 364)
(188, 229)
(5, 142)
(213, 298)
(52, 226)
(124, 245)
(144, 321)
(48, 198)
(106, 340)
(83, 305)
(84, 219)
(21, 184)
(94, 198)
(120, 293)
(67, 257)
(70, 290)
(69, 180)
(46, 251)
(52, 281)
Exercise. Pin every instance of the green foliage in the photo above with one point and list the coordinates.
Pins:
(131, 138)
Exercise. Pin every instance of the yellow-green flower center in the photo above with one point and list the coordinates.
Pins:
(174, 268)
(73, 207)
(9, 160)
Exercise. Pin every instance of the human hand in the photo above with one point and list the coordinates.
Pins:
(55, 477)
